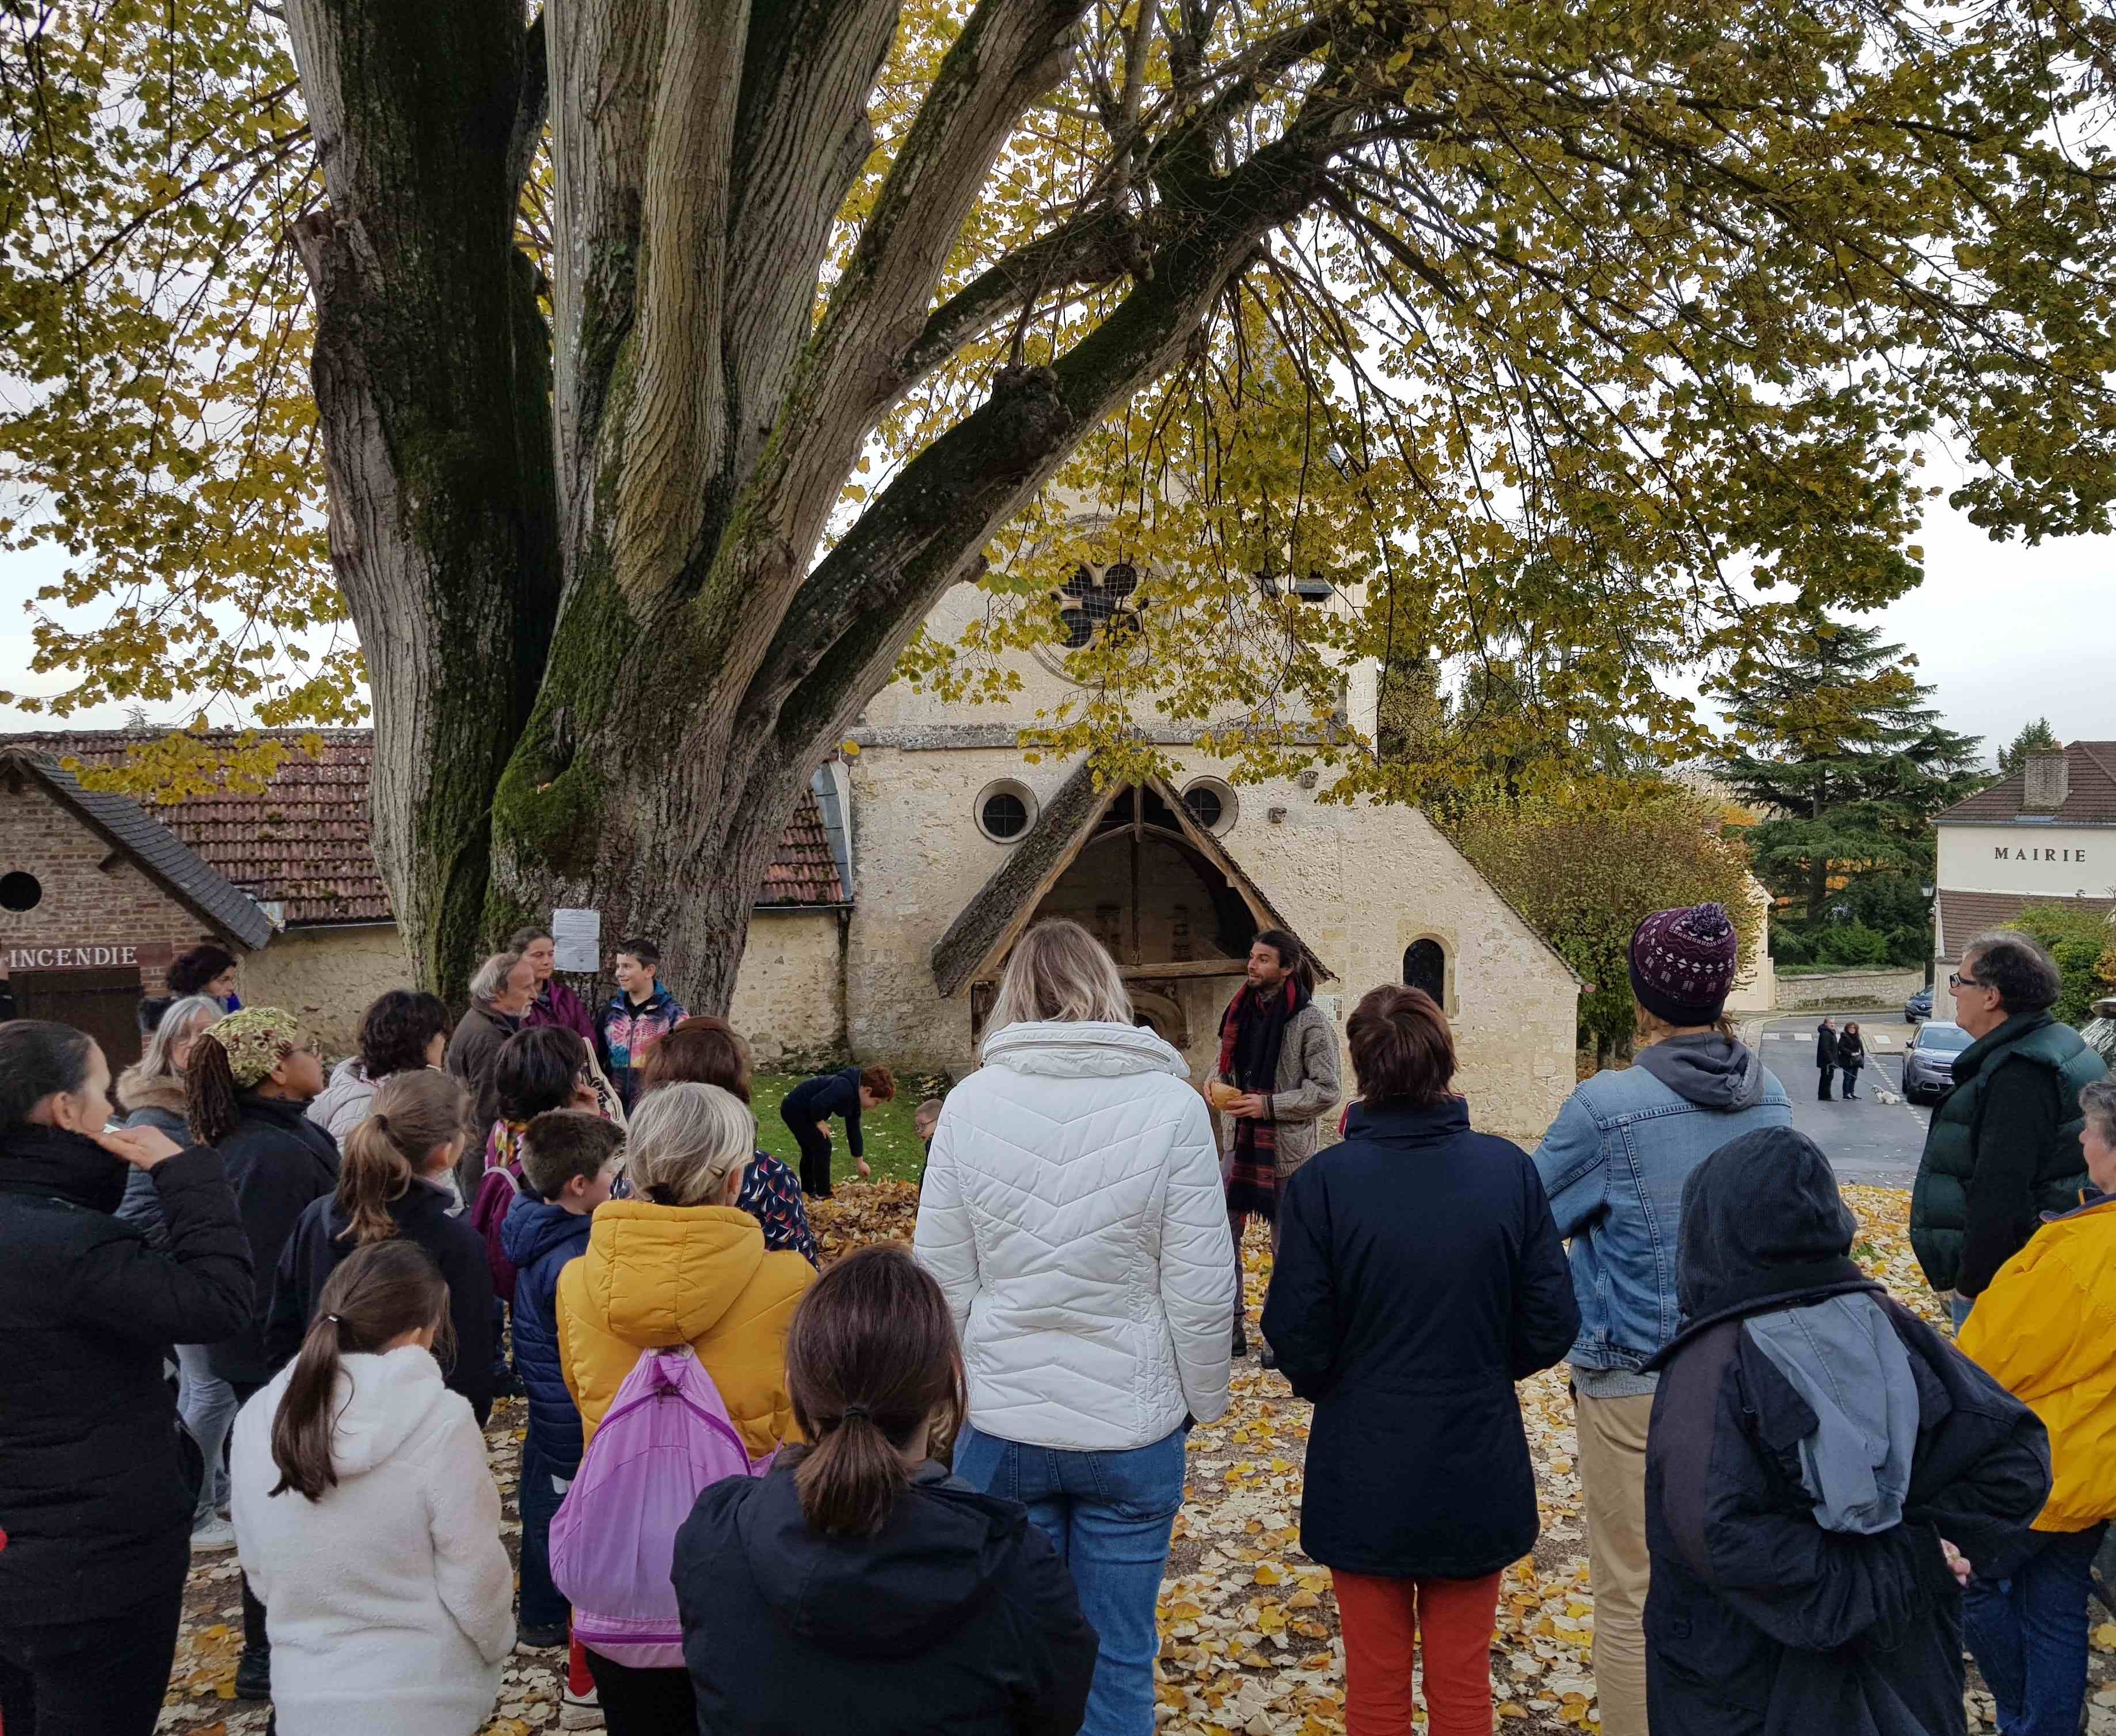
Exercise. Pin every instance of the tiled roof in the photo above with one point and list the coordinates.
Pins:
(1963, 915)
(157, 850)
(304, 840)
(806, 870)
(2090, 801)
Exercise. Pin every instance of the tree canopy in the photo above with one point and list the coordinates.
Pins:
(2035, 738)
(1587, 864)
(668, 363)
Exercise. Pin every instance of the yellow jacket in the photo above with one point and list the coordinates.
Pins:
(2046, 1330)
(662, 1275)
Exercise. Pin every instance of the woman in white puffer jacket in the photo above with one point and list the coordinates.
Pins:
(1072, 1212)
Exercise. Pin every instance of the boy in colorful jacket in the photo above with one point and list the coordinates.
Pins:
(639, 1016)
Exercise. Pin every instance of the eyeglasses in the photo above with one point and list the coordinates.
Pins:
(1955, 979)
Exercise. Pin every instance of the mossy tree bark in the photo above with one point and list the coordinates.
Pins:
(604, 657)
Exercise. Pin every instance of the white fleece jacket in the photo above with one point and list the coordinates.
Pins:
(389, 1601)
(1073, 1212)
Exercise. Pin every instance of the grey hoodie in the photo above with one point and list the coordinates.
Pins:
(1712, 1071)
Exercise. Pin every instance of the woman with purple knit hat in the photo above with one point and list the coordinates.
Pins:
(1613, 1163)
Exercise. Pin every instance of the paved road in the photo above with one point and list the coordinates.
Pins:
(1868, 1140)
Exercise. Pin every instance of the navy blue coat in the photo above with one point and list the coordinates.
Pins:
(539, 1238)
(817, 1099)
(1419, 1276)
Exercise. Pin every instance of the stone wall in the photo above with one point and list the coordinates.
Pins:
(789, 993)
(1847, 988)
(1360, 884)
(329, 977)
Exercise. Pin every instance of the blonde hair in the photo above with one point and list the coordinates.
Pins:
(415, 1114)
(685, 1141)
(1060, 973)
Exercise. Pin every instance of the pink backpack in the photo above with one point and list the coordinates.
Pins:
(666, 1437)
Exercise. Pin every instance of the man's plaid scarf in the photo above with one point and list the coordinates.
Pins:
(1252, 1032)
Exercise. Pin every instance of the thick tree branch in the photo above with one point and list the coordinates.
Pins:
(676, 432)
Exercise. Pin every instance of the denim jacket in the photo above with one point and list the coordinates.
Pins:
(1613, 1163)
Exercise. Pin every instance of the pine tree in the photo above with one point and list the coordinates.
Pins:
(1842, 749)
(2035, 738)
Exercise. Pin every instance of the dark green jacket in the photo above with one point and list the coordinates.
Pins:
(2003, 1148)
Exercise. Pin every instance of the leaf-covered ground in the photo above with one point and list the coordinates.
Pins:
(1251, 1640)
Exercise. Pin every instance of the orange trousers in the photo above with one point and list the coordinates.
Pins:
(1386, 1621)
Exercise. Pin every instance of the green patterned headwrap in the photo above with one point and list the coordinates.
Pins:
(257, 1039)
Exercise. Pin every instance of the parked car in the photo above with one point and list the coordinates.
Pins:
(1919, 1007)
(1929, 1062)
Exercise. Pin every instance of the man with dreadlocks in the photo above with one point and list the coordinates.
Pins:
(1277, 1078)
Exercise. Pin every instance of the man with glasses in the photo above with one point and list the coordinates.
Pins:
(2003, 1145)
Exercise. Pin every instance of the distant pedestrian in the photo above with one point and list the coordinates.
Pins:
(401, 1031)
(251, 1079)
(98, 1485)
(709, 1051)
(366, 1516)
(677, 1264)
(638, 1015)
(151, 1094)
(1821, 1461)
(1851, 1057)
(2027, 1628)
(1277, 1078)
(1614, 1164)
(807, 1109)
(570, 1158)
(859, 1586)
(500, 992)
(1419, 1276)
(1828, 1053)
(1073, 1216)
(2004, 1146)
(392, 1180)
(209, 969)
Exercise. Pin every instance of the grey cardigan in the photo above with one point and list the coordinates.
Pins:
(1307, 1088)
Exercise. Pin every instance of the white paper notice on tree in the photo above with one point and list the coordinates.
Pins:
(577, 940)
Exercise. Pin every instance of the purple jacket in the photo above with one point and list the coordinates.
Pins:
(557, 1004)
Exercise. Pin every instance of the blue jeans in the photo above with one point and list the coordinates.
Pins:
(1958, 1308)
(1110, 1516)
(543, 1605)
(207, 1405)
(2028, 1635)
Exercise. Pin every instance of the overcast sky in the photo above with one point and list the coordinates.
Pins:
(2004, 632)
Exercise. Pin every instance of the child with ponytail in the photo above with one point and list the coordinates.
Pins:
(860, 1585)
(392, 1180)
(367, 1519)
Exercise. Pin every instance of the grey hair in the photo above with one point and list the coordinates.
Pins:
(685, 1140)
(488, 981)
(159, 1061)
(2018, 968)
(2097, 1102)
(1060, 973)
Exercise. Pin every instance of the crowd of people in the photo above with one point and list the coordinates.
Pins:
(935, 1488)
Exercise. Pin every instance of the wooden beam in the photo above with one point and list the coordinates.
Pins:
(1184, 968)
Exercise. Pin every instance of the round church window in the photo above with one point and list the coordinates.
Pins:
(19, 891)
(1004, 811)
(1212, 804)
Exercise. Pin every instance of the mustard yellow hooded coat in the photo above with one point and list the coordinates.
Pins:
(2046, 1330)
(663, 1275)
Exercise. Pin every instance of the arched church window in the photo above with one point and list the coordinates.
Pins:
(1425, 966)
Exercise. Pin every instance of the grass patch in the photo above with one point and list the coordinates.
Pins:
(893, 1147)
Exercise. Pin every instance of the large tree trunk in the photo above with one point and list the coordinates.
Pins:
(432, 378)
(632, 738)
